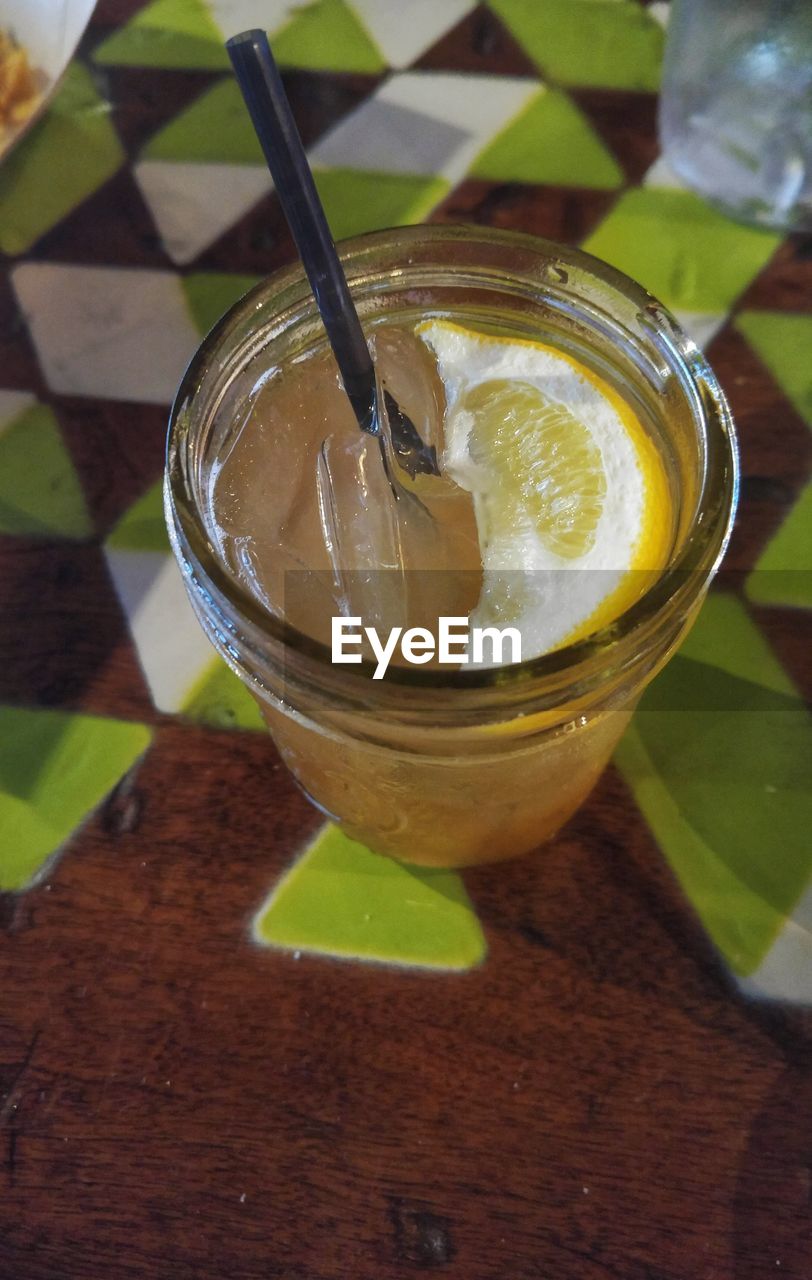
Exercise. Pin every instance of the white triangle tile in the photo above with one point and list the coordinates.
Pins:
(12, 404)
(233, 16)
(785, 973)
(424, 123)
(402, 34)
(702, 326)
(172, 648)
(660, 10)
(662, 175)
(119, 334)
(193, 204)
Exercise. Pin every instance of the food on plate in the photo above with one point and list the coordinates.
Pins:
(19, 89)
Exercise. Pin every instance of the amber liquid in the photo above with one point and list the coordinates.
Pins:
(298, 448)
(437, 801)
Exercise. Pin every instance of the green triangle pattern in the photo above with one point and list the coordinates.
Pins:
(327, 35)
(210, 294)
(143, 527)
(40, 493)
(215, 129)
(167, 33)
(784, 343)
(55, 767)
(598, 43)
(221, 700)
(783, 574)
(357, 201)
(67, 156)
(550, 141)
(684, 252)
(339, 899)
(716, 759)
(724, 637)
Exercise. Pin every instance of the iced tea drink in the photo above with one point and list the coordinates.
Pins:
(588, 486)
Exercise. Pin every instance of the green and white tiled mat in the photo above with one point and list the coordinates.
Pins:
(721, 784)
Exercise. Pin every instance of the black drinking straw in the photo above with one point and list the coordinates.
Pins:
(270, 112)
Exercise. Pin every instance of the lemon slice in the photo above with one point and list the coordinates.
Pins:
(570, 493)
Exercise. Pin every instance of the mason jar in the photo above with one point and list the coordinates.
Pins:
(453, 767)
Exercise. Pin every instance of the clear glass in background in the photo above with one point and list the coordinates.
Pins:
(736, 106)
(459, 767)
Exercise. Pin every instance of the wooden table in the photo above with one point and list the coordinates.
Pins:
(595, 1100)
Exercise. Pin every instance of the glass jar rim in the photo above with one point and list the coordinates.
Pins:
(681, 581)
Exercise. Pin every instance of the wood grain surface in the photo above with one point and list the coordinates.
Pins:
(595, 1102)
